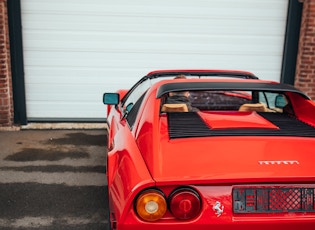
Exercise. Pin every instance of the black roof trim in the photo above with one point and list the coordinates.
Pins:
(242, 86)
(230, 74)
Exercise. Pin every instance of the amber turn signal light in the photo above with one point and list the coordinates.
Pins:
(151, 205)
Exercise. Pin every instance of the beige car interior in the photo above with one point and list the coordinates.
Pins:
(258, 107)
(174, 108)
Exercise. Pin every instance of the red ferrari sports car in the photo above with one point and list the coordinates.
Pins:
(209, 149)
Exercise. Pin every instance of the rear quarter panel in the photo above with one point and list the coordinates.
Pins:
(147, 132)
(127, 173)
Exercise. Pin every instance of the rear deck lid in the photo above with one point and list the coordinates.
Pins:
(202, 147)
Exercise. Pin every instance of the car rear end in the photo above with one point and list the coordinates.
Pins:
(242, 206)
(226, 184)
(226, 178)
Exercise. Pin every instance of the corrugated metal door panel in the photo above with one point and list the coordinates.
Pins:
(75, 50)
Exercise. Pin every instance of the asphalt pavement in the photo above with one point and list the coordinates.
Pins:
(53, 179)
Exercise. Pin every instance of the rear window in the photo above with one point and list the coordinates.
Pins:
(219, 100)
(234, 100)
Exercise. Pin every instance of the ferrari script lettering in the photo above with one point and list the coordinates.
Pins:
(278, 162)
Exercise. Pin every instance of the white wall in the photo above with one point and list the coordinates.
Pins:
(75, 50)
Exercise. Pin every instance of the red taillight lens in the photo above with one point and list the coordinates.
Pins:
(185, 203)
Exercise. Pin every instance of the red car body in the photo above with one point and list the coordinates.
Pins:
(213, 168)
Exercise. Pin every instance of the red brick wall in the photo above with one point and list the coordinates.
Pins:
(6, 99)
(305, 69)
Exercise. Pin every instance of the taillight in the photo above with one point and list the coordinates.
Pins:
(151, 205)
(185, 203)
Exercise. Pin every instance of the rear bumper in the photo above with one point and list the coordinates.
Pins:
(218, 212)
(236, 225)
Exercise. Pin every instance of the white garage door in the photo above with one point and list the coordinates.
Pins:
(75, 50)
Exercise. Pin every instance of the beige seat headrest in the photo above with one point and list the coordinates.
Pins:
(258, 107)
(174, 108)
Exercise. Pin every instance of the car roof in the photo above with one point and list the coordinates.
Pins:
(197, 73)
(202, 73)
(232, 85)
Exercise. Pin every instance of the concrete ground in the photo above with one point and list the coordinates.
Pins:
(53, 179)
